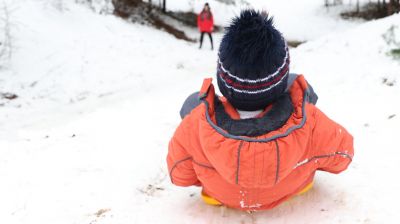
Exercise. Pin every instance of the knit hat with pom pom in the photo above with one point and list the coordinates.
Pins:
(253, 63)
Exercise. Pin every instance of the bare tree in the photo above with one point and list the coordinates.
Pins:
(358, 6)
(334, 2)
(150, 5)
(5, 39)
(338, 2)
(164, 6)
(393, 7)
(99, 6)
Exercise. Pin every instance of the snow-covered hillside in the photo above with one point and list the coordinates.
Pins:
(98, 99)
(298, 20)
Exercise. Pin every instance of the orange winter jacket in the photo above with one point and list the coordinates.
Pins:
(262, 171)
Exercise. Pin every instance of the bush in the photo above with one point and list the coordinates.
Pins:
(391, 37)
(395, 53)
(5, 35)
(99, 6)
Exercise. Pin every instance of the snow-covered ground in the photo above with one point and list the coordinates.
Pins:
(86, 140)
(297, 20)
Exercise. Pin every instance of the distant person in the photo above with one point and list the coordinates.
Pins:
(205, 22)
(261, 143)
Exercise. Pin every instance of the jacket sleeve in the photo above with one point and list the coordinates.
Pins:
(312, 96)
(332, 144)
(179, 161)
(190, 103)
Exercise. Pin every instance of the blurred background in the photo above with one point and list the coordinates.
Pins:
(90, 93)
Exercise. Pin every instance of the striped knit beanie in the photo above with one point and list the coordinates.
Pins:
(253, 63)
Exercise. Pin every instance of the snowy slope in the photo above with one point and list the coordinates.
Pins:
(297, 20)
(86, 140)
(103, 81)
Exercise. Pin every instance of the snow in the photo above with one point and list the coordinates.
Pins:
(297, 20)
(98, 100)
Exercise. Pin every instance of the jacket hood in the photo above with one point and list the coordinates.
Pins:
(254, 162)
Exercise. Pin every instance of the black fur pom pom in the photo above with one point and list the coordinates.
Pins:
(252, 46)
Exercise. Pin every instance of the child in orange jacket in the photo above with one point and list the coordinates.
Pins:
(262, 142)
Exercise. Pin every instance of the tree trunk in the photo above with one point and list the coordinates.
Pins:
(393, 7)
(358, 6)
(164, 6)
(390, 7)
(384, 7)
(150, 6)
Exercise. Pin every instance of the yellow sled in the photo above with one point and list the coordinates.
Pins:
(211, 201)
(306, 189)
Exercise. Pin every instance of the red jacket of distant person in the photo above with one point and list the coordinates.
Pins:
(205, 21)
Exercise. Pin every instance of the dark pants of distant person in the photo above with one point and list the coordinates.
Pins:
(211, 40)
